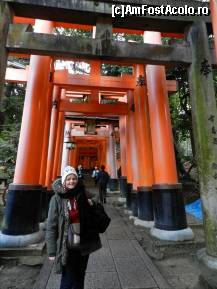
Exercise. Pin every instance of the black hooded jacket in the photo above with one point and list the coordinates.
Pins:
(56, 224)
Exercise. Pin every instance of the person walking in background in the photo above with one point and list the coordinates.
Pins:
(80, 172)
(103, 179)
(70, 235)
(95, 175)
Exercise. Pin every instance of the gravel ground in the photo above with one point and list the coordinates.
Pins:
(15, 274)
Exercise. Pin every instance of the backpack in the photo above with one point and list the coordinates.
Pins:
(100, 218)
(103, 177)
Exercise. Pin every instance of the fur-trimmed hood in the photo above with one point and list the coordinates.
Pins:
(59, 189)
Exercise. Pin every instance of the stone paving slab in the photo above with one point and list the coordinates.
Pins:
(154, 272)
(133, 273)
(136, 279)
(108, 280)
(54, 281)
(120, 264)
(122, 248)
(101, 261)
(115, 233)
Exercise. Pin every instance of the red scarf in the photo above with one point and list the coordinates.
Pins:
(73, 211)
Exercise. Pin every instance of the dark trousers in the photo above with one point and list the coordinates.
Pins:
(102, 193)
(95, 181)
(73, 273)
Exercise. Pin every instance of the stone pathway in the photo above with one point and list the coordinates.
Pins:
(120, 264)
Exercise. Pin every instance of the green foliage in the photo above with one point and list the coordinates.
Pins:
(115, 70)
(180, 107)
(118, 70)
(10, 129)
(180, 110)
(78, 33)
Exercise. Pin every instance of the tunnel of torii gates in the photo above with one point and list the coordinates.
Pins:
(139, 114)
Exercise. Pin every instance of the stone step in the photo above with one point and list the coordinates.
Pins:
(31, 250)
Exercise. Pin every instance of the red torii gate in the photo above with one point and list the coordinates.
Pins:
(162, 167)
(136, 162)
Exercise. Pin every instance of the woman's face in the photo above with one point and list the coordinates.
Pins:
(71, 181)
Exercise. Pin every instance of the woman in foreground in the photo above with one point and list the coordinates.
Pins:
(70, 235)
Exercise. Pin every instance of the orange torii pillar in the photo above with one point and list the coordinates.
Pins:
(129, 170)
(46, 137)
(45, 196)
(22, 215)
(53, 135)
(111, 159)
(123, 155)
(213, 8)
(144, 150)
(169, 211)
(132, 157)
(67, 140)
(59, 142)
(73, 154)
(102, 153)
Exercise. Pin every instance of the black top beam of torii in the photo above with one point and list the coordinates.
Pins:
(87, 11)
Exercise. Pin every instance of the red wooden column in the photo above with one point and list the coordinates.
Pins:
(102, 153)
(128, 148)
(73, 154)
(46, 136)
(131, 149)
(67, 138)
(23, 204)
(27, 170)
(107, 161)
(123, 154)
(144, 150)
(113, 182)
(95, 69)
(53, 135)
(133, 142)
(213, 8)
(111, 159)
(59, 141)
(170, 218)
(123, 143)
(45, 195)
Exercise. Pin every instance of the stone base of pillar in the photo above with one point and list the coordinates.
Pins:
(22, 212)
(122, 200)
(43, 212)
(128, 212)
(208, 268)
(113, 185)
(43, 225)
(128, 196)
(123, 185)
(146, 224)
(207, 260)
(179, 235)
(169, 210)
(133, 218)
(10, 241)
(50, 194)
(134, 203)
(145, 204)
